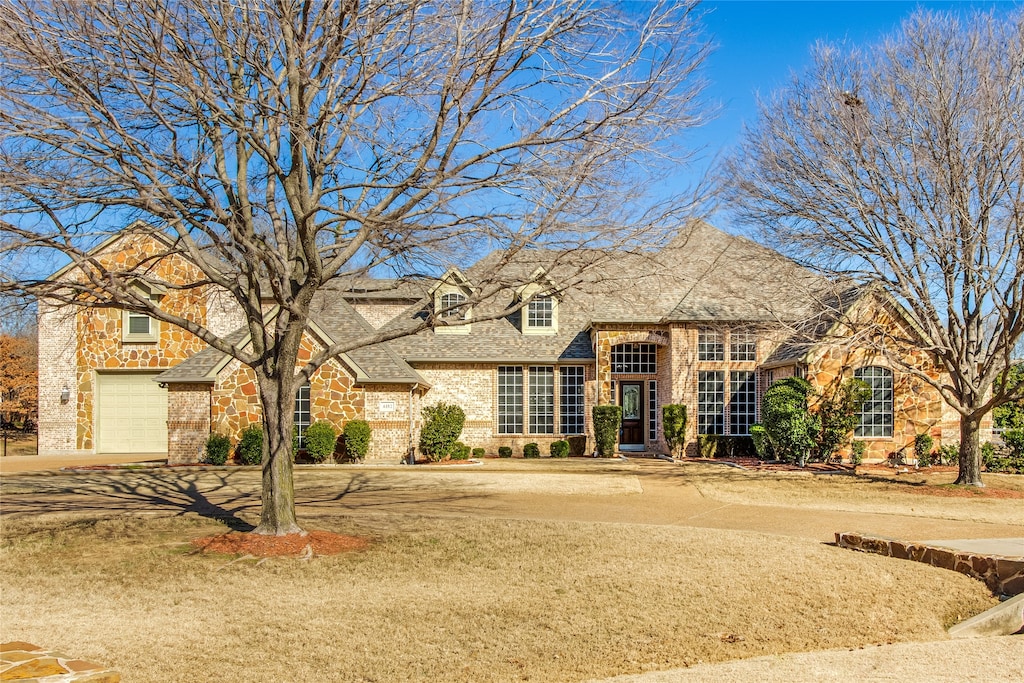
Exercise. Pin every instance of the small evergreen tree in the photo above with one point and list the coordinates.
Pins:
(607, 422)
(250, 445)
(357, 435)
(789, 424)
(442, 426)
(673, 426)
(217, 448)
(320, 440)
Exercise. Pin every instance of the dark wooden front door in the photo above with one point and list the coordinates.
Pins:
(631, 437)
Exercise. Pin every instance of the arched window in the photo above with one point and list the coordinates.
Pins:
(451, 305)
(876, 413)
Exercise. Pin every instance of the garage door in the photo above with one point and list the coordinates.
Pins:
(131, 416)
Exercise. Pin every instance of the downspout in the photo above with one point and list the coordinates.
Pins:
(411, 457)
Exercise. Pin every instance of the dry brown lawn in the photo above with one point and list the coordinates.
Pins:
(19, 443)
(464, 599)
(923, 494)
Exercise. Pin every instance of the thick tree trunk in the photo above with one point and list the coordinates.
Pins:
(970, 451)
(277, 517)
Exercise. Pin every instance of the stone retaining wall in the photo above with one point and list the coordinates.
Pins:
(27, 663)
(1002, 575)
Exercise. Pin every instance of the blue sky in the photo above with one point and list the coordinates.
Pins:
(759, 44)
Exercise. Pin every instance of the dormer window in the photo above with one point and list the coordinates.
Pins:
(450, 296)
(540, 312)
(451, 305)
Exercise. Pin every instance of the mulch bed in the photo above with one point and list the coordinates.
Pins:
(292, 545)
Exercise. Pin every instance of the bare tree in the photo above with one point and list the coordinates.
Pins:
(285, 146)
(903, 165)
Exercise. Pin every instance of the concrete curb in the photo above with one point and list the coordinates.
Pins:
(1005, 619)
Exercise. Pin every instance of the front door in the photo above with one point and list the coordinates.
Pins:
(631, 438)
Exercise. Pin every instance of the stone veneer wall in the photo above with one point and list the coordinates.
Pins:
(1002, 575)
(188, 424)
(58, 369)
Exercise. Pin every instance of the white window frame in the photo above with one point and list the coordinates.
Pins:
(877, 414)
(152, 336)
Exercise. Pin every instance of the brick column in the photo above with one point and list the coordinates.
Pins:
(188, 422)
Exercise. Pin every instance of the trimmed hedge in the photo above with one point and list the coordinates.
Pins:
(504, 451)
(559, 449)
(707, 445)
(607, 422)
(923, 449)
(442, 425)
(673, 426)
(531, 450)
(857, 449)
(479, 452)
(250, 445)
(460, 451)
(356, 435)
(320, 440)
(217, 448)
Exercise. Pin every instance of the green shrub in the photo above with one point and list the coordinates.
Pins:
(835, 414)
(762, 445)
(707, 445)
(792, 429)
(250, 445)
(479, 452)
(607, 421)
(356, 435)
(735, 446)
(923, 449)
(857, 449)
(673, 426)
(460, 451)
(559, 449)
(949, 454)
(320, 440)
(442, 425)
(531, 450)
(217, 448)
(1014, 440)
(1011, 460)
(504, 451)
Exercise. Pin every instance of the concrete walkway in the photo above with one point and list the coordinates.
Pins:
(1000, 547)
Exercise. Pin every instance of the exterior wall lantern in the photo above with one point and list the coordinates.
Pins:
(65, 394)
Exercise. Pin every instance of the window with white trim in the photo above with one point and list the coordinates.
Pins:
(742, 401)
(876, 413)
(540, 313)
(571, 403)
(510, 399)
(302, 414)
(542, 399)
(711, 402)
(636, 359)
(742, 345)
(451, 305)
(709, 344)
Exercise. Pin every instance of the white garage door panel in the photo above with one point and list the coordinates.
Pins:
(132, 414)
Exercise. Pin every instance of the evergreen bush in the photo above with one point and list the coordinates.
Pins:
(559, 449)
(460, 451)
(504, 451)
(762, 445)
(792, 429)
(707, 445)
(442, 426)
(320, 440)
(673, 426)
(217, 448)
(836, 414)
(250, 445)
(356, 435)
(531, 450)
(607, 422)
(923, 449)
(857, 449)
(949, 454)
(479, 452)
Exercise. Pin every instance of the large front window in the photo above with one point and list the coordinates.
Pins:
(742, 345)
(302, 413)
(571, 399)
(742, 397)
(876, 413)
(510, 400)
(711, 402)
(542, 400)
(635, 359)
